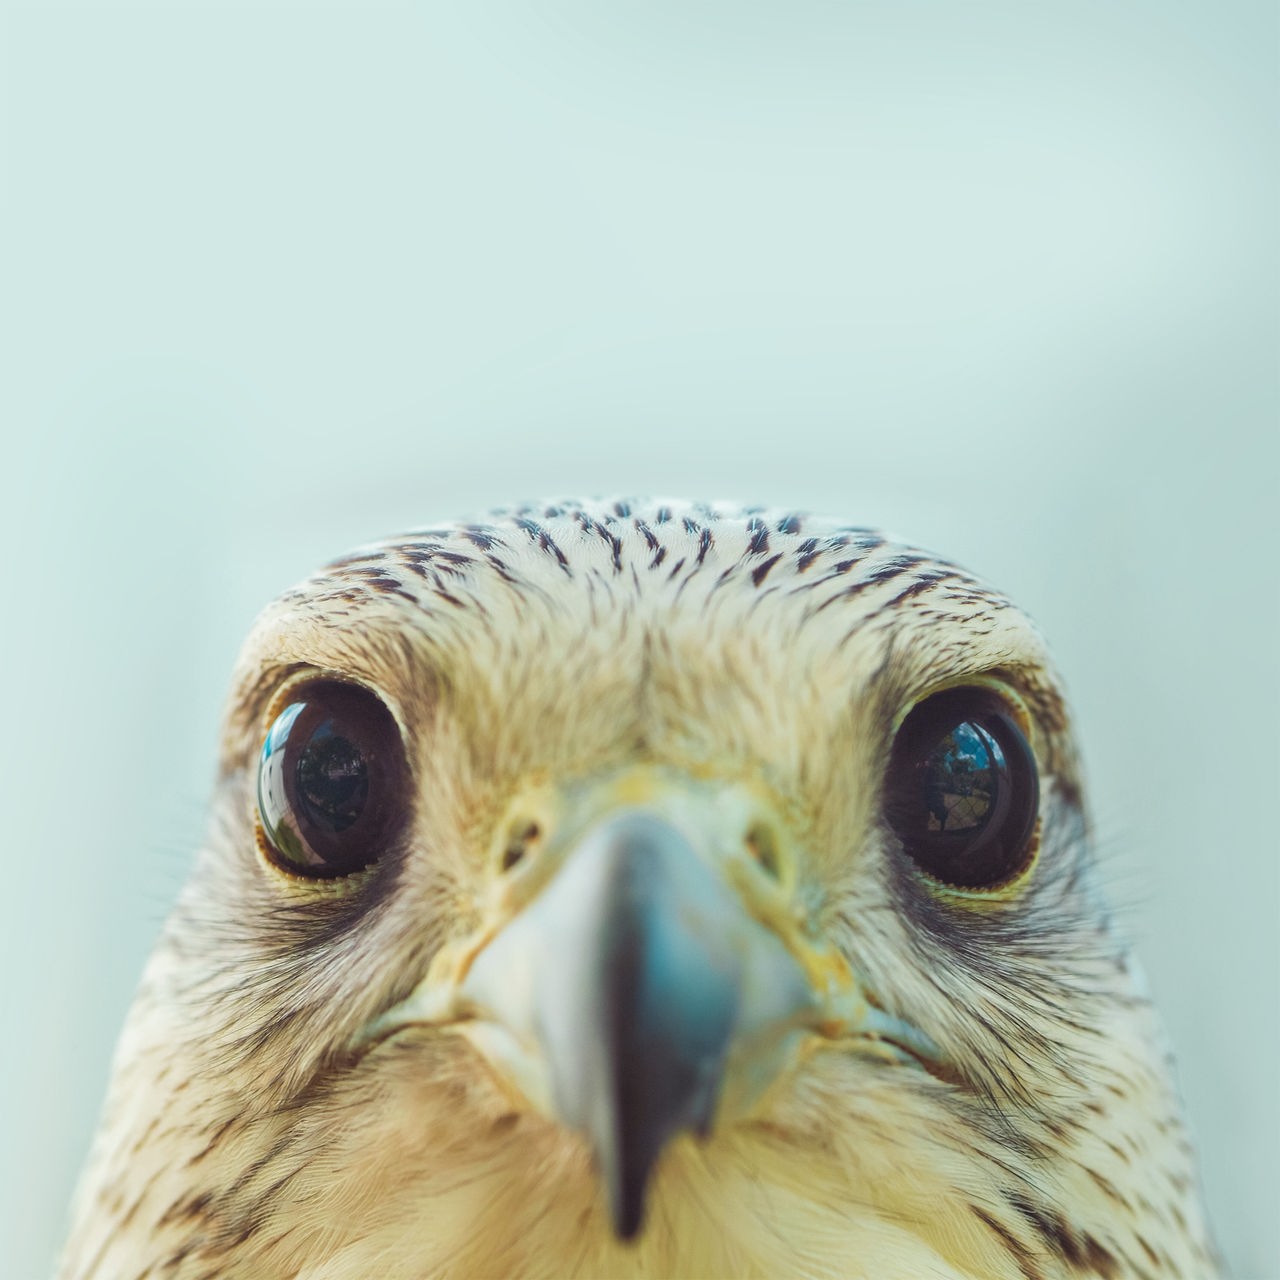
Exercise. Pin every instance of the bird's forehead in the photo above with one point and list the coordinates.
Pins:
(631, 617)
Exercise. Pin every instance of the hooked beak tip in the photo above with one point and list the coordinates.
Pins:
(669, 1000)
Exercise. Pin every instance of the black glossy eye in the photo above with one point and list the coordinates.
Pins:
(331, 781)
(962, 789)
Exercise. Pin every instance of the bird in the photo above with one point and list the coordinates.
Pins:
(642, 888)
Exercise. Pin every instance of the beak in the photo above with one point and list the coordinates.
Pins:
(649, 977)
(648, 973)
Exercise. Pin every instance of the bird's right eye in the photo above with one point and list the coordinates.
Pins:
(331, 781)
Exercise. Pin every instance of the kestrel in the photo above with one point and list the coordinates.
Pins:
(642, 889)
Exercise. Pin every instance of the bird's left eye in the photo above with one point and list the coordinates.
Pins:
(962, 791)
(331, 781)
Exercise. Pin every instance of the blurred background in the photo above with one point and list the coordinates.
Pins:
(280, 278)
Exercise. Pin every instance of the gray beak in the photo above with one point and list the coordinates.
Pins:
(640, 975)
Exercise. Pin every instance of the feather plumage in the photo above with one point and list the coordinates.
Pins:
(241, 1138)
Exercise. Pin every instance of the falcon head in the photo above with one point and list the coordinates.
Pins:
(642, 889)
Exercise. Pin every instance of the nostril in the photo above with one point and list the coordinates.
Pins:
(763, 846)
(522, 835)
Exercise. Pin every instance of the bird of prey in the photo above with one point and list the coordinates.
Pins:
(642, 889)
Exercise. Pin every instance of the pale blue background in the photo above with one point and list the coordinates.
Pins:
(279, 278)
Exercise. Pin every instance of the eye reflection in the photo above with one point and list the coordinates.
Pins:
(961, 777)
